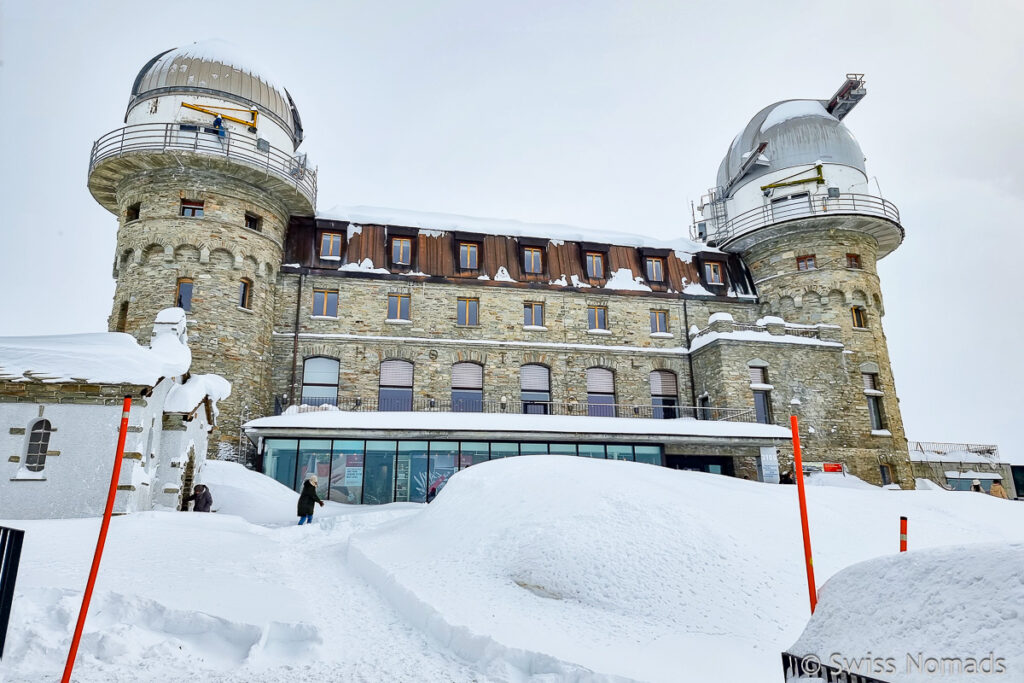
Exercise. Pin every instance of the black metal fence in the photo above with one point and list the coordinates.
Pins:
(810, 667)
(10, 556)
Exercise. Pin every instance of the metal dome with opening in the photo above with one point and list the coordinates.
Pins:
(798, 132)
(213, 67)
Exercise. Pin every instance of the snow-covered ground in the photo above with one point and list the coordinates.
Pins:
(539, 568)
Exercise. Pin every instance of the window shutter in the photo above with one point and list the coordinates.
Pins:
(870, 383)
(396, 373)
(320, 371)
(757, 376)
(534, 378)
(663, 383)
(600, 381)
(467, 376)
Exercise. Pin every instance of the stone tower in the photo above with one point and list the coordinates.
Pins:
(793, 199)
(203, 178)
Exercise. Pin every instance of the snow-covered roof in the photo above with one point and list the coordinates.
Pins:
(442, 222)
(101, 358)
(498, 422)
(759, 336)
(183, 398)
(971, 474)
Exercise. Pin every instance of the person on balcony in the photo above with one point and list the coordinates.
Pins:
(218, 123)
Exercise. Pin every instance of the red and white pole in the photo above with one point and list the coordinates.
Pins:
(903, 534)
(114, 477)
(798, 472)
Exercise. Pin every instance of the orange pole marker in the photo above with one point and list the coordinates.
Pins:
(903, 534)
(114, 477)
(798, 471)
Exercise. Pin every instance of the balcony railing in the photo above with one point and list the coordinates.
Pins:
(623, 410)
(174, 137)
(769, 214)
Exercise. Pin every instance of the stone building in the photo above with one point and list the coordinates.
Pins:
(61, 400)
(386, 349)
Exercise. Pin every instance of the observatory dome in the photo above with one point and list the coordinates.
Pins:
(798, 133)
(212, 67)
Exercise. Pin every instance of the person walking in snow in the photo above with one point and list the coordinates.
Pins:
(202, 497)
(307, 499)
(997, 490)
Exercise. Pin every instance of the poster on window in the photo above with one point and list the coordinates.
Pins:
(354, 476)
(770, 464)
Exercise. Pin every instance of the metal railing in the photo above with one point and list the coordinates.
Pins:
(943, 447)
(792, 331)
(175, 137)
(811, 668)
(823, 205)
(570, 408)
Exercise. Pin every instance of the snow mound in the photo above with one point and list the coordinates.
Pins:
(254, 497)
(839, 480)
(961, 603)
(928, 485)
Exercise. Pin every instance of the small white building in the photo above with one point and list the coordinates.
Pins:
(60, 414)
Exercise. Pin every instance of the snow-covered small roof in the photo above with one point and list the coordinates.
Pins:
(184, 398)
(99, 358)
(499, 422)
(971, 474)
(442, 222)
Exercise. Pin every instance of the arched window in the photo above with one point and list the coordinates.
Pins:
(395, 385)
(664, 394)
(600, 392)
(467, 388)
(535, 389)
(320, 381)
(38, 444)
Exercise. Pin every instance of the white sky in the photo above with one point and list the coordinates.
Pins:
(611, 115)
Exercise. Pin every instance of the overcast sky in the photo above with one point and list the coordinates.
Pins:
(611, 115)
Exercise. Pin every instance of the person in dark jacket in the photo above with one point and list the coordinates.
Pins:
(201, 496)
(307, 499)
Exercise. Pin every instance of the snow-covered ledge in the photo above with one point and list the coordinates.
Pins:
(880, 432)
(662, 335)
(397, 321)
(599, 331)
(535, 328)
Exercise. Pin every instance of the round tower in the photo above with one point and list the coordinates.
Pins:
(203, 178)
(795, 201)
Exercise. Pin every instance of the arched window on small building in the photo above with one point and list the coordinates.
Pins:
(664, 394)
(395, 392)
(467, 388)
(320, 381)
(38, 445)
(600, 392)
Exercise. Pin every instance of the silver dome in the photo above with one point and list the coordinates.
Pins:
(798, 133)
(210, 67)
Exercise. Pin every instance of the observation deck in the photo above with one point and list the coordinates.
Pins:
(148, 146)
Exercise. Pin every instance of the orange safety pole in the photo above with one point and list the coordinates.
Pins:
(903, 534)
(114, 477)
(798, 471)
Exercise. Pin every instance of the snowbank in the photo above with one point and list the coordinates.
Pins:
(839, 480)
(959, 604)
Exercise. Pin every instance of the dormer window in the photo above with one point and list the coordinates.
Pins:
(330, 245)
(655, 269)
(713, 273)
(805, 262)
(595, 265)
(469, 255)
(533, 261)
(401, 251)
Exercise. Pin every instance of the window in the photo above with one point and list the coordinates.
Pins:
(330, 245)
(401, 251)
(398, 306)
(395, 385)
(597, 317)
(244, 290)
(713, 273)
(762, 396)
(535, 389)
(663, 395)
(805, 262)
(532, 260)
(191, 208)
(533, 314)
(758, 375)
(853, 261)
(320, 381)
(886, 472)
(468, 255)
(655, 269)
(467, 311)
(325, 303)
(132, 214)
(595, 264)
(38, 444)
(874, 396)
(600, 392)
(122, 317)
(467, 388)
(253, 222)
(860, 316)
(704, 407)
(659, 321)
(183, 295)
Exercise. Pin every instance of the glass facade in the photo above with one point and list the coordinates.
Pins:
(370, 471)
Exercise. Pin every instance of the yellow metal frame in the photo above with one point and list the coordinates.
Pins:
(216, 111)
(786, 182)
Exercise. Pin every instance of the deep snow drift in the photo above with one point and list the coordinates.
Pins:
(538, 568)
